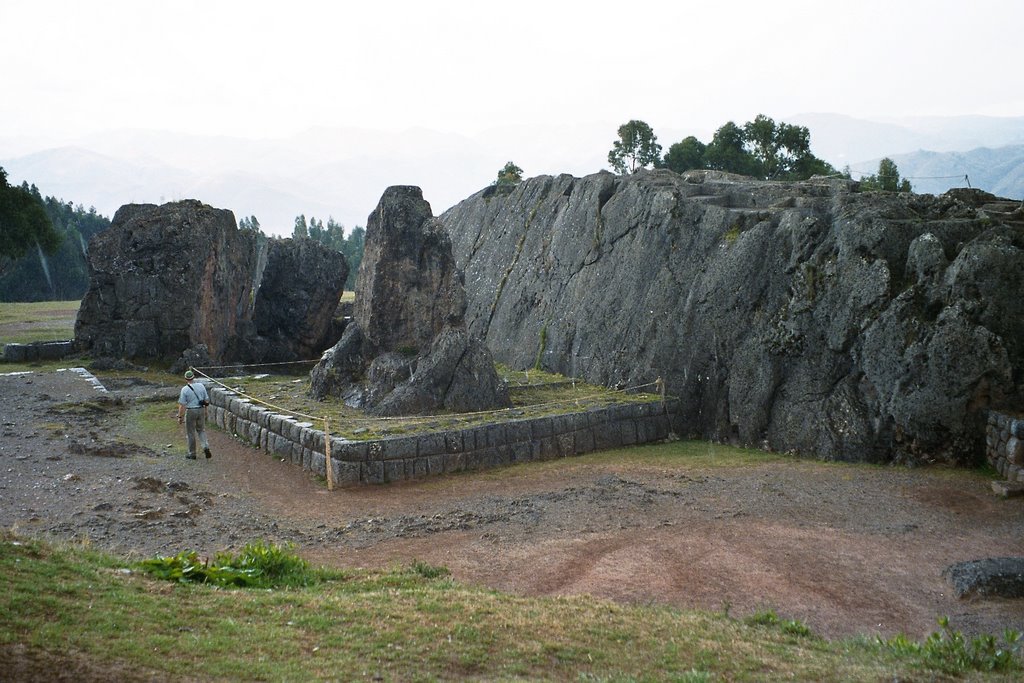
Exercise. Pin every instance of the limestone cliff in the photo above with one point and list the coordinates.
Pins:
(805, 317)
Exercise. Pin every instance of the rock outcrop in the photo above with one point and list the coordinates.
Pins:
(407, 350)
(181, 277)
(806, 317)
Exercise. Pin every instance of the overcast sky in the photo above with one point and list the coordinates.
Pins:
(269, 69)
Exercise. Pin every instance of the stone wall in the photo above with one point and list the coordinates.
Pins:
(36, 351)
(413, 456)
(1004, 442)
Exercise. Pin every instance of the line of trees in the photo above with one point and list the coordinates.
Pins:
(43, 244)
(333, 235)
(760, 148)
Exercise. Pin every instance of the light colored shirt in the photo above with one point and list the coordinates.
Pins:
(193, 394)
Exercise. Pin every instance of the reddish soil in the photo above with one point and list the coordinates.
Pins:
(847, 549)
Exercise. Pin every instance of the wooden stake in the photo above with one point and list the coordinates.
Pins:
(327, 453)
(660, 383)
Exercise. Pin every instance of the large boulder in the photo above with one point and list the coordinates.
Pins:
(406, 350)
(166, 280)
(796, 316)
(297, 297)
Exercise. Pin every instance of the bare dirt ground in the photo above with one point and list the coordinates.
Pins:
(847, 549)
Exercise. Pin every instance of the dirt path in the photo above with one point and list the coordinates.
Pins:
(848, 550)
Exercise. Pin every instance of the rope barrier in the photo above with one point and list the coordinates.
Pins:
(257, 365)
(199, 372)
(427, 418)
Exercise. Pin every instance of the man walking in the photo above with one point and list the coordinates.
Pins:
(192, 402)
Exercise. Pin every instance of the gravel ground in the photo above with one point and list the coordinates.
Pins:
(847, 549)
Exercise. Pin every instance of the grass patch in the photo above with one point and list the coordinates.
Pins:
(24, 323)
(400, 624)
(533, 393)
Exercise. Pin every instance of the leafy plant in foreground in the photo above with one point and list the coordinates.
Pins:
(951, 652)
(258, 565)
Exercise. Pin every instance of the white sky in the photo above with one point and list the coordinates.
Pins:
(268, 69)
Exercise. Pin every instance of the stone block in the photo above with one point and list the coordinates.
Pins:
(518, 431)
(584, 441)
(1008, 489)
(265, 439)
(431, 444)
(394, 470)
(541, 427)
(992, 577)
(453, 442)
(296, 453)
(548, 448)
(318, 442)
(281, 446)
(318, 463)
(1015, 450)
(420, 467)
(345, 473)
(496, 435)
(566, 444)
(254, 433)
(435, 463)
(348, 451)
(521, 451)
(1017, 429)
(607, 436)
(563, 424)
(306, 434)
(454, 462)
(627, 432)
(401, 448)
(371, 472)
(475, 438)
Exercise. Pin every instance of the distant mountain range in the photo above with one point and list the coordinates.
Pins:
(342, 172)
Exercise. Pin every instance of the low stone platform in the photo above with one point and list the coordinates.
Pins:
(379, 461)
(30, 353)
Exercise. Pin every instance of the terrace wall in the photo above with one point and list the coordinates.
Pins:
(398, 458)
(1004, 444)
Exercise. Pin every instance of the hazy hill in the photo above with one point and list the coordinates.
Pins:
(999, 171)
(342, 172)
(843, 140)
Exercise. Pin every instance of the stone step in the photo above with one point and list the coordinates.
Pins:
(1008, 489)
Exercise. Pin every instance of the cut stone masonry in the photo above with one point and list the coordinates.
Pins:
(400, 458)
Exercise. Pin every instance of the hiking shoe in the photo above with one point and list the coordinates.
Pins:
(208, 453)
(190, 457)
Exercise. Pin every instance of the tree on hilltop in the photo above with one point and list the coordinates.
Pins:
(760, 148)
(685, 155)
(636, 148)
(887, 179)
(510, 174)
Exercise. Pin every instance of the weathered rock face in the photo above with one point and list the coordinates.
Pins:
(796, 316)
(409, 286)
(297, 297)
(177, 277)
(406, 350)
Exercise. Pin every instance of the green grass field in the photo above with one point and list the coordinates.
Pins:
(413, 623)
(23, 323)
